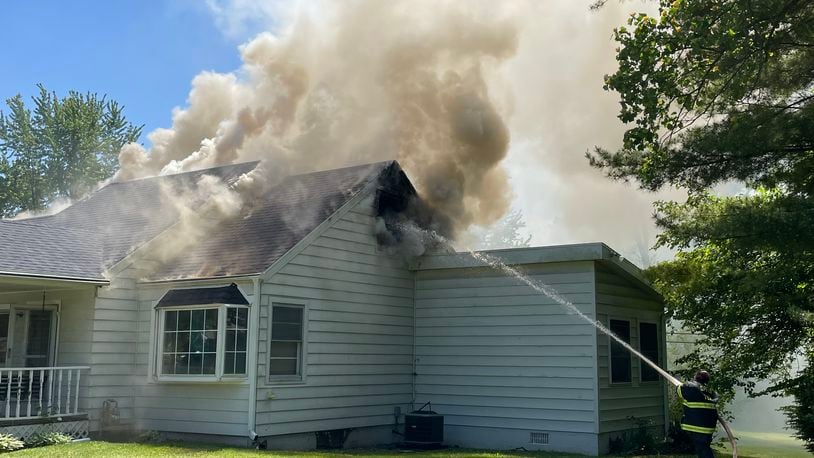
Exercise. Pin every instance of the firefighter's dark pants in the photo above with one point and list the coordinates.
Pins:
(703, 444)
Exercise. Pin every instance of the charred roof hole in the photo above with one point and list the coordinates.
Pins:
(393, 198)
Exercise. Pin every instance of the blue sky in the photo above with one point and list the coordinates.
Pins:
(141, 53)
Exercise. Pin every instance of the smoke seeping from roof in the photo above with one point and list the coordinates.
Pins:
(358, 82)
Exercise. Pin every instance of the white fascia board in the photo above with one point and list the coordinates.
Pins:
(30, 279)
(516, 256)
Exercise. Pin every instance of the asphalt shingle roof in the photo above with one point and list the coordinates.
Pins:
(229, 294)
(84, 239)
(250, 244)
(48, 251)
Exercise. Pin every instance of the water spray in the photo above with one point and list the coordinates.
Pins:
(550, 292)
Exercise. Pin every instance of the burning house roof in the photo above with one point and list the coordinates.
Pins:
(85, 239)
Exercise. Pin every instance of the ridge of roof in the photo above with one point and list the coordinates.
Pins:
(186, 173)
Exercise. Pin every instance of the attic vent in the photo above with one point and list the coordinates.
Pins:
(538, 438)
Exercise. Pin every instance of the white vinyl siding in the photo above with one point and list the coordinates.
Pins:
(114, 349)
(217, 408)
(619, 298)
(501, 361)
(358, 334)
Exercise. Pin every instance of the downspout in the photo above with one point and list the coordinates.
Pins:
(252, 372)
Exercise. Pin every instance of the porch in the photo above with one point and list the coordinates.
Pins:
(42, 399)
(45, 337)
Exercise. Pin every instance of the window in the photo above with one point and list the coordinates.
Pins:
(236, 332)
(285, 348)
(619, 356)
(203, 341)
(649, 346)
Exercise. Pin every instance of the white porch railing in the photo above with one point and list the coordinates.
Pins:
(37, 392)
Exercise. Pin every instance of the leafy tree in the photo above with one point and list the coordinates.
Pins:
(715, 91)
(505, 233)
(61, 148)
(801, 413)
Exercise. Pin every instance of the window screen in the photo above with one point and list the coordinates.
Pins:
(39, 338)
(649, 346)
(285, 356)
(619, 355)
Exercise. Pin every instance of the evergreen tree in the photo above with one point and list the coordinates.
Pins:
(715, 91)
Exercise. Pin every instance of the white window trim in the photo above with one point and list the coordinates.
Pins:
(275, 380)
(220, 352)
(630, 323)
(658, 342)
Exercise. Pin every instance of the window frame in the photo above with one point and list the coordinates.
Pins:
(642, 364)
(611, 341)
(220, 351)
(300, 378)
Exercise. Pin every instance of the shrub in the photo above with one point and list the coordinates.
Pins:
(9, 443)
(150, 437)
(801, 413)
(637, 442)
(43, 439)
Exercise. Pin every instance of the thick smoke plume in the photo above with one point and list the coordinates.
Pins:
(354, 82)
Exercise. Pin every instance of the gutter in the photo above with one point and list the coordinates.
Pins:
(233, 278)
(27, 276)
(254, 321)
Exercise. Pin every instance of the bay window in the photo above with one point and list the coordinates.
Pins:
(198, 340)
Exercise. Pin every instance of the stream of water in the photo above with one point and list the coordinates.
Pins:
(550, 292)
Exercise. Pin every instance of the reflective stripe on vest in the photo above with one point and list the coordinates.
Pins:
(697, 429)
(700, 410)
(699, 405)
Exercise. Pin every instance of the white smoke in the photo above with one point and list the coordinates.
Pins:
(360, 81)
(441, 86)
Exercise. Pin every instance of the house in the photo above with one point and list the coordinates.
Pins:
(291, 320)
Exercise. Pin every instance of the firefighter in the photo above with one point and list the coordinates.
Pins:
(700, 413)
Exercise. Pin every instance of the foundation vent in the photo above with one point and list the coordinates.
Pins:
(538, 438)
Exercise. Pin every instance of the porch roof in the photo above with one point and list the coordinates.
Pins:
(41, 251)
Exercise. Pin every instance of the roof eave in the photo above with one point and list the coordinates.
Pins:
(516, 256)
(231, 278)
(31, 276)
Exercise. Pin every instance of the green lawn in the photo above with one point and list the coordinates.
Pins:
(751, 445)
(110, 450)
(769, 445)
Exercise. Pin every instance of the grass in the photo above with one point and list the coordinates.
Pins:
(111, 450)
(750, 445)
(769, 445)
